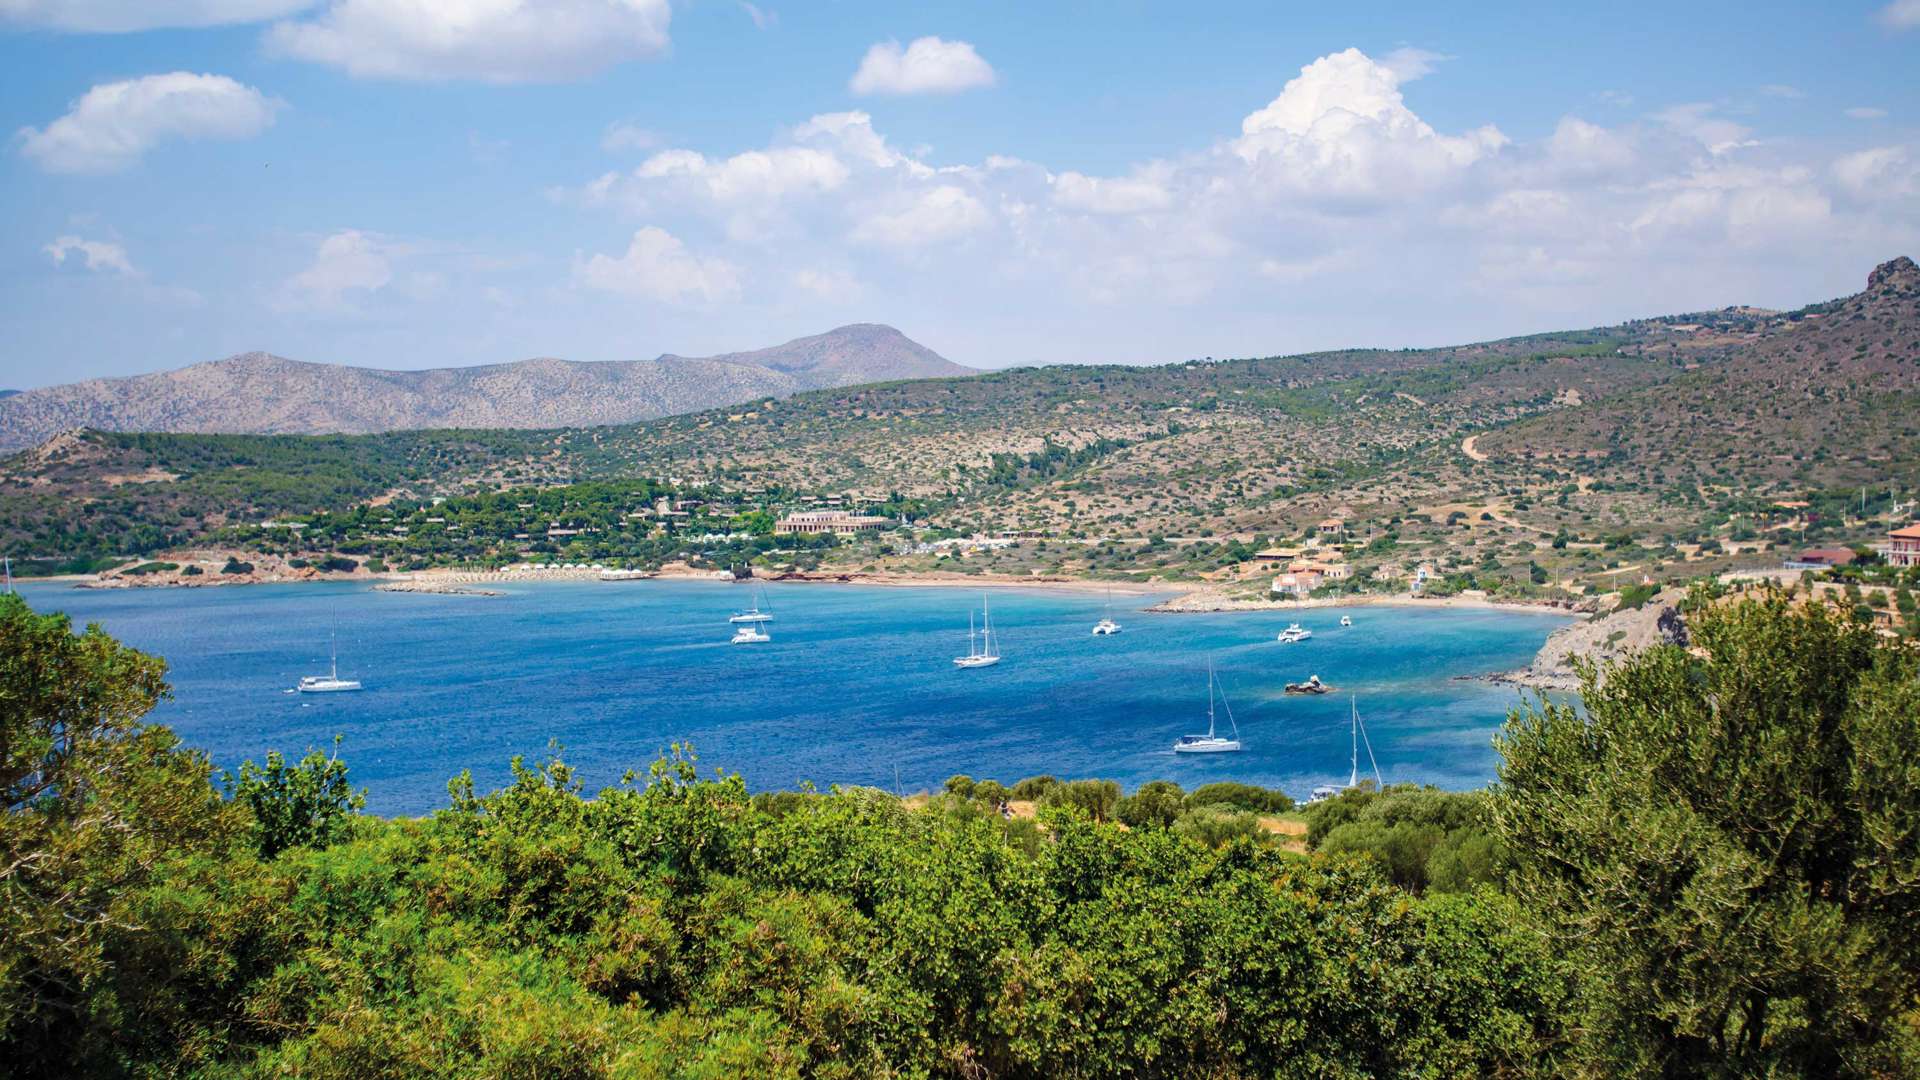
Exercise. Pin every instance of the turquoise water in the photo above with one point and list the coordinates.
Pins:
(857, 686)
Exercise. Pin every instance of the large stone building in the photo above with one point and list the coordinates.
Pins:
(839, 522)
(1903, 548)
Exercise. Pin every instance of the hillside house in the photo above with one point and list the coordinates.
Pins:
(1332, 528)
(1820, 559)
(1276, 556)
(1296, 585)
(1903, 547)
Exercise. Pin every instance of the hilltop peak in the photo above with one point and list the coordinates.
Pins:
(1895, 275)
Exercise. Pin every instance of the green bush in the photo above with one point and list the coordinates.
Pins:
(1244, 796)
(1098, 799)
(1031, 788)
(1155, 804)
(1217, 826)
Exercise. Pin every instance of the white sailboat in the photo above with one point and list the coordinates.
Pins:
(1106, 625)
(331, 682)
(750, 634)
(1211, 743)
(754, 614)
(1359, 733)
(981, 651)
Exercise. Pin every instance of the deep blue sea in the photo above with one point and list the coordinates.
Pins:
(856, 687)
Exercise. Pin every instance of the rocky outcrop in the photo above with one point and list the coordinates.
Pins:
(1604, 640)
(259, 393)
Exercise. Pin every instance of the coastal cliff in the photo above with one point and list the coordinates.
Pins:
(1604, 640)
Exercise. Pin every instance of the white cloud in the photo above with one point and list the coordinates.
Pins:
(1901, 14)
(657, 266)
(1782, 90)
(1117, 195)
(1619, 99)
(1696, 121)
(1879, 173)
(762, 18)
(927, 66)
(941, 214)
(1330, 199)
(1866, 112)
(112, 125)
(499, 41)
(622, 137)
(121, 16)
(1342, 128)
(349, 261)
(1408, 63)
(99, 256)
(753, 175)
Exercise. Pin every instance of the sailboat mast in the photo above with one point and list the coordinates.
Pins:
(1209, 701)
(1353, 778)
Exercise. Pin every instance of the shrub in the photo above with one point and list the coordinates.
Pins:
(1033, 787)
(1096, 798)
(1243, 796)
(1217, 826)
(1156, 804)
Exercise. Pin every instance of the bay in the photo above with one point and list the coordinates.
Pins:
(856, 687)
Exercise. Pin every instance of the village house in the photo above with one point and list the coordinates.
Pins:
(1276, 555)
(1820, 559)
(1903, 548)
(1332, 527)
(1296, 585)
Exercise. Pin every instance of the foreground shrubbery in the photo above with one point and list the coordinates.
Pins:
(677, 927)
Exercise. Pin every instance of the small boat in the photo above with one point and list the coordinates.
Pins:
(750, 634)
(1211, 743)
(1359, 732)
(980, 648)
(753, 614)
(331, 682)
(1106, 625)
(1294, 632)
(1313, 685)
(1346, 620)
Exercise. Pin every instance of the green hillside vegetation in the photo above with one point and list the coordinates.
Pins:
(1657, 447)
(1706, 872)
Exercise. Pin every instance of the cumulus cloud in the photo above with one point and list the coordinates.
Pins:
(927, 66)
(657, 266)
(112, 125)
(1697, 121)
(1408, 64)
(1137, 194)
(937, 215)
(121, 16)
(347, 262)
(1336, 189)
(498, 41)
(1342, 128)
(1901, 14)
(98, 256)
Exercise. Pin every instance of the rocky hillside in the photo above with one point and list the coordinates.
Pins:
(265, 394)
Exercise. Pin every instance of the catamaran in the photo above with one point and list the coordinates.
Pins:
(750, 634)
(1359, 733)
(1211, 743)
(1294, 632)
(754, 614)
(331, 682)
(980, 648)
(1106, 625)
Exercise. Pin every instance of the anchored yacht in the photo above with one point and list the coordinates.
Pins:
(1294, 632)
(981, 651)
(1211, 743)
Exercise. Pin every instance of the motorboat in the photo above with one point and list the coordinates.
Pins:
(1346, 620)
(1294, 633)
(1313, 685)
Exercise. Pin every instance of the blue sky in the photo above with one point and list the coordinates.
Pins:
(409, 183)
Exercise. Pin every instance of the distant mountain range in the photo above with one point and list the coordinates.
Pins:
(258, 393)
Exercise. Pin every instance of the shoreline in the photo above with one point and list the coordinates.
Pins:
(1177, 598)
